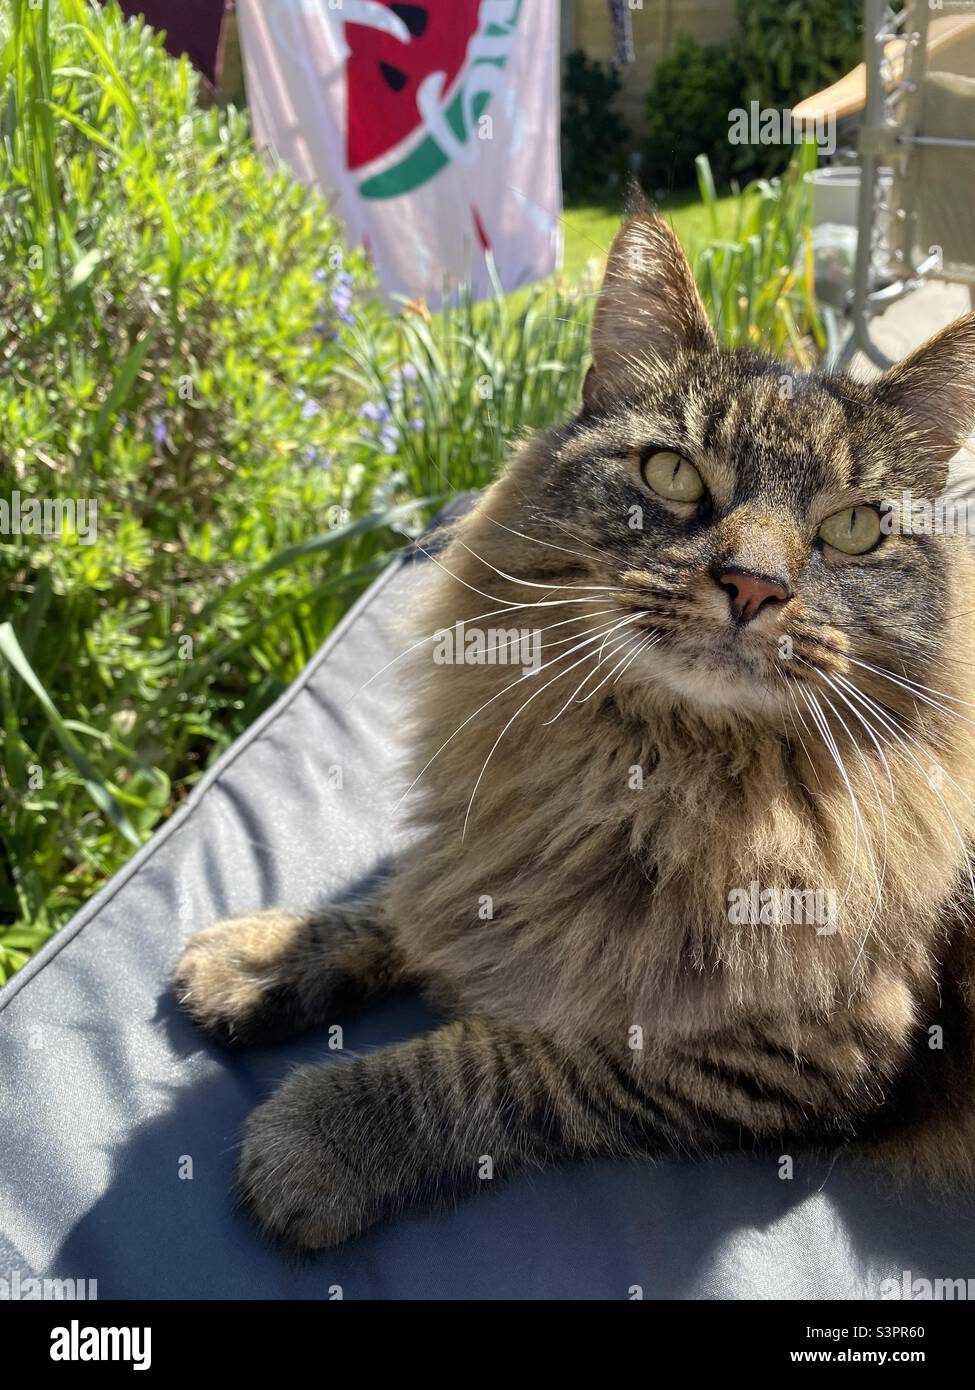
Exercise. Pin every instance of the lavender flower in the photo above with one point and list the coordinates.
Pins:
(342, 297)
(401, 410)
(338, 307)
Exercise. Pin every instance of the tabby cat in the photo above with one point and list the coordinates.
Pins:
(753, 691)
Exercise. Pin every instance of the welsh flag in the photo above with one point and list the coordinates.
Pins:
(432, 127)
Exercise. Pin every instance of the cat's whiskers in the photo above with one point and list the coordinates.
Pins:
(829, 740)
(953, 617)
(572, 534)
(531, 583)
(478, 617)
(528, 675)
(602, 645)
(571, 638)
(903, 736)
(797, 713)
(600, 663)
(647, 645)
(927, 647)
(824, 739)
(494, 597)
(857, 634)
(586, 657)
(883, 818)
(917, 689)
(825, 676)
(550, 545)
(918, 645)
(625, 644)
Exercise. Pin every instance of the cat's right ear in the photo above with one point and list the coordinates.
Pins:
(648, 309)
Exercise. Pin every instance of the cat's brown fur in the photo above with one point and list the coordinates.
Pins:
(573, 913)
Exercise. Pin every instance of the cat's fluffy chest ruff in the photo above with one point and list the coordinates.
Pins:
(621, 877)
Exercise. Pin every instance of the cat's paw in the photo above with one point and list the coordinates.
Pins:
(231, 979)
(305, 1188)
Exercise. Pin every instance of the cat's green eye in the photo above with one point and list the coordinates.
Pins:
(854, 531)
(672, 477)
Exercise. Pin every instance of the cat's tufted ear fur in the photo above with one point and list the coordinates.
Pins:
(933, 391)
(648, 308)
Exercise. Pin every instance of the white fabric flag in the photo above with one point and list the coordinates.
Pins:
(433, 127)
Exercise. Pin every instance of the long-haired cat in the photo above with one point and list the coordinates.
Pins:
(697, 877)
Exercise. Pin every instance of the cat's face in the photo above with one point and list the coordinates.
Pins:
(737, 504)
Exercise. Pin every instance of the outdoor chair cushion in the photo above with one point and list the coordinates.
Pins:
(106, 1089)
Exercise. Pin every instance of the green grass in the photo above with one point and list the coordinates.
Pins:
(588, 229)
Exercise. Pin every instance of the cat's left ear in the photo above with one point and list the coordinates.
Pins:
(648, 308)
(933, 390)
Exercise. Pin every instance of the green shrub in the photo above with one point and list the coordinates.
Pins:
(692, 92)
(789, 51)
(593, 135)
(185, 342)
(161, 302)
(780, 54)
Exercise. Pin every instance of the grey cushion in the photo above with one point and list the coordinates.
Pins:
(106, 1089)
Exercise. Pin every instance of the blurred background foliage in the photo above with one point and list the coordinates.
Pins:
(789, 49)
(781, 52)
(186, 342)
(693, 90)
(594, 138)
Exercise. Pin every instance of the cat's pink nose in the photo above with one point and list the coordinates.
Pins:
(749, 593)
